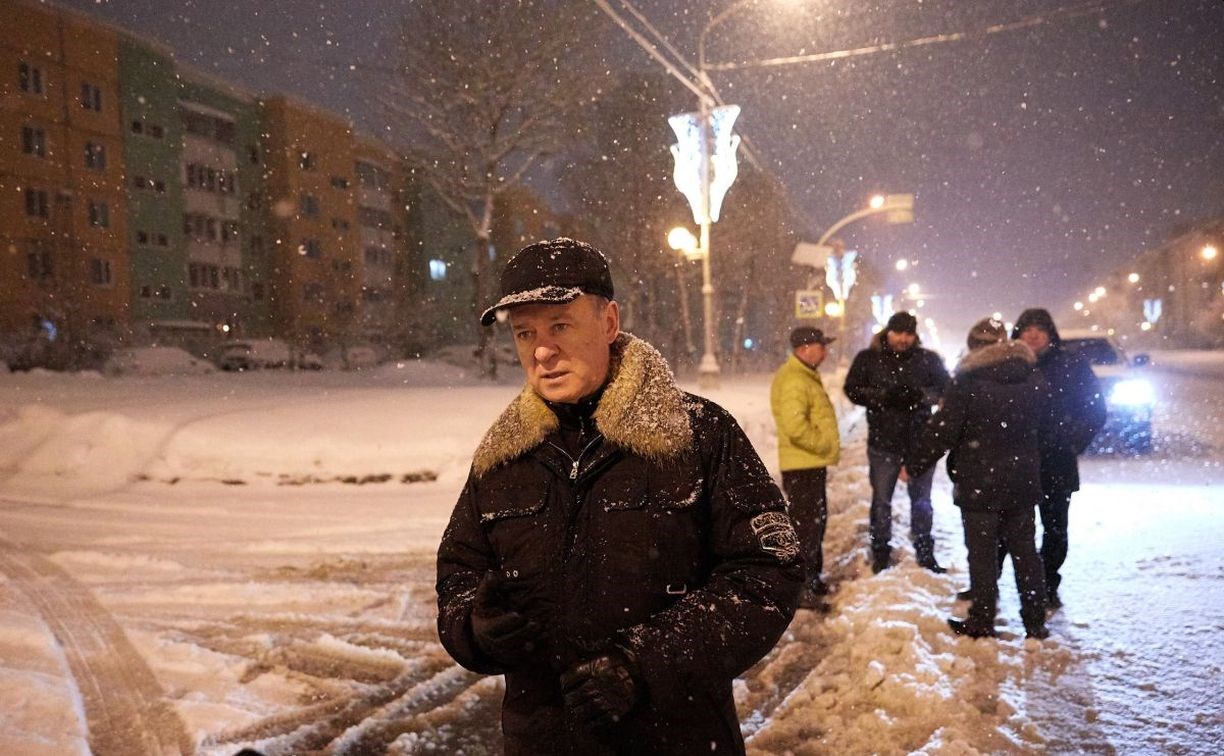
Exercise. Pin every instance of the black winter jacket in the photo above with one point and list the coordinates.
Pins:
(879, 377)
(995, 417)
(1079, 408)
(667, 537)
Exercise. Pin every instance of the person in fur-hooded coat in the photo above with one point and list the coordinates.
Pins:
(995, 419)
(619, 551)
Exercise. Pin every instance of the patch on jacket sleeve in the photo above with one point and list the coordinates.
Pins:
(776, 535)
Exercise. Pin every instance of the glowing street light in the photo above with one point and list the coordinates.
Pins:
(903, 265)
(876, 202)
(1209, 252)
(1099, 291)
(1077, 306)
(913, 289)
(1133, 278)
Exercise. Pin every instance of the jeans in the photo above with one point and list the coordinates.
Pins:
(808, 503)
(883, 469)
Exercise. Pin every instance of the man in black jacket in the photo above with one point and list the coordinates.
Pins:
(619, 551)
(898, 381)
(1080, 411)
(994, 419)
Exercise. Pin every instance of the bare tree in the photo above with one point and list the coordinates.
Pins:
(487, 90)
(620, 182)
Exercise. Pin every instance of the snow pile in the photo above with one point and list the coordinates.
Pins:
(280, 428)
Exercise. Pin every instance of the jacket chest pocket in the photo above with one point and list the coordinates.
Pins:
(653, 524)
(516, 524)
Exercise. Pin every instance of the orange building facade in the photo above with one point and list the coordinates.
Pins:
(64, 273)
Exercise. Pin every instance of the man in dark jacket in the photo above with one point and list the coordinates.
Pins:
(898, 381)
(994, 419)
(619, 551)
(1080, 410)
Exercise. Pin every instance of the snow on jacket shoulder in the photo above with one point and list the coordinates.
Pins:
(669, 538)
(806, 421)
(994, 421)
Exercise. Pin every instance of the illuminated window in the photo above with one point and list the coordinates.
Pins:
(437, 270)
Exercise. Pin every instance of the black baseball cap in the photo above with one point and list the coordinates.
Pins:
(808, 335)
(551, 272)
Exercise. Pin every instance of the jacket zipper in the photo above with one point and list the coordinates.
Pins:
(575, 462)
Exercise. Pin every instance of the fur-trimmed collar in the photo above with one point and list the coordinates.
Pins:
(996, 354)
(642, 410)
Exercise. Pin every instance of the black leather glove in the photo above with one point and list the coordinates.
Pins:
(601, 691)
(905, 398)
(504, 634)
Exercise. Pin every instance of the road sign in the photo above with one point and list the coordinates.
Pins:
(809, 303)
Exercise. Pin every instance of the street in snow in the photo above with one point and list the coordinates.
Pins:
(253, 566)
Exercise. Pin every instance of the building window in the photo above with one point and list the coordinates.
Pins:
(437, 270)
(36, 203)
(378, 257)
(312, 292)
(340, 224)
(29, 78)
(99, 272)
(165, 292)
(339, 182)
(142, 237)
(146, 292)
(311, 248)
(99, 214)
(373, 177)
(91, 97)
(306, 160)
(207, 126)
(163, 240)
(38, 265)
(156, 131)
(33, 141)
(229, 232)
(95, 156)
(257, 292)
(308, 205)
(252, 154)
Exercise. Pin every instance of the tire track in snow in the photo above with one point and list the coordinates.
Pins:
(126, 709)
(317, 728)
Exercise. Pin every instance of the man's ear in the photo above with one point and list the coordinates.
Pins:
(611, 321)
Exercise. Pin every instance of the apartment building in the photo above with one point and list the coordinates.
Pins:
(144, 201)
(65, 282)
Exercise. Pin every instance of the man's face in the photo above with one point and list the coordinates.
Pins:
(1036, 338)
(812, 354)
(900, 341)
(564, 348)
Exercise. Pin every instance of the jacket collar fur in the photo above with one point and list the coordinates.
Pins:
(642, 410)
(996, 354)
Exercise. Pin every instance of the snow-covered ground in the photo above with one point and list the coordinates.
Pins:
(206, 562)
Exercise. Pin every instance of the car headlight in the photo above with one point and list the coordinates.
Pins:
(1133, 392)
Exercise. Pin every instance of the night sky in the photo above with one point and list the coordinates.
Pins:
(1040, 158)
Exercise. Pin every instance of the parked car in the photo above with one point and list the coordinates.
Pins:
(263, 354)
(155, 360)
(1129, 393)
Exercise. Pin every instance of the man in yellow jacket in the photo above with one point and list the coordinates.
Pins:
(808, 443)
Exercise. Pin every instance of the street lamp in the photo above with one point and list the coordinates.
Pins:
(1209, 252)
